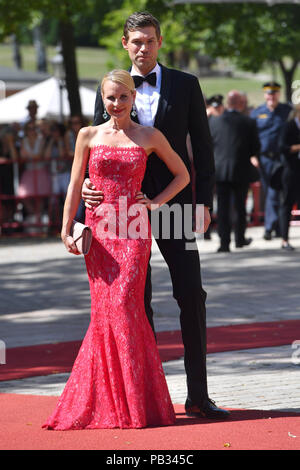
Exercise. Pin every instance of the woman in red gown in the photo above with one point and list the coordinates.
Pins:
(117, 380)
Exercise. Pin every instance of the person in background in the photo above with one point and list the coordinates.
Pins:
(270, 118)
(235, 141)
(214, 105)
(15, 130)
(76, 122)
(35, 179)
(290, 194)
(32, 108)
(60, 164)
(60, 160)
(44, 128)
(8, 155)
(246, 108)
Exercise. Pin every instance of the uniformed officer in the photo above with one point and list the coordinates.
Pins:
(270, 118)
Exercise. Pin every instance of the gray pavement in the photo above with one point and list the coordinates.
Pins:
(45, 298)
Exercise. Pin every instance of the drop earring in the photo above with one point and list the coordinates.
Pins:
(133, 112)
(105, 114)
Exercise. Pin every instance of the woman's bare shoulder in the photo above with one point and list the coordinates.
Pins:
(87, 133)
(150, 138)
(150, 133)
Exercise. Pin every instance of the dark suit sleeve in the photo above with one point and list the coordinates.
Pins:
(282, 141)
(289, 136)
(202, 146)
(99, 109)
(254, 139)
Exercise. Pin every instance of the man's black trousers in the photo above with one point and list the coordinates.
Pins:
(184, 267)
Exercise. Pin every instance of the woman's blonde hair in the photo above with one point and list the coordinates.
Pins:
(119, 76)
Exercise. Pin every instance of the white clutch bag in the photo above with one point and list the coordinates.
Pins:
(82, 235)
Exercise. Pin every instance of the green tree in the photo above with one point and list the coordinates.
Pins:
(249, 34)
(31, 12)
(180, 40)
(253, 35)
(113, 23)
(67, 18)
(12, 18)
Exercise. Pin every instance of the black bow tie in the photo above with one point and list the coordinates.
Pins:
(151, 79)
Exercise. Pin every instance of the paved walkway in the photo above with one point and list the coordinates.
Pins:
(45, 298)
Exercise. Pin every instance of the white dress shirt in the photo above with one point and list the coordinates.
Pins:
(147, 98)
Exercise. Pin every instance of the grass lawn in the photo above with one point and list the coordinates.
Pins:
(93, 63)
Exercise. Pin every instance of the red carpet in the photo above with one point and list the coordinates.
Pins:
(48, 359)
(23, 415)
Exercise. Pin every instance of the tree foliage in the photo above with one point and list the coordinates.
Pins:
(113, 22)
(14, 14)
(31, 11)
(66, 16)
(249, 34)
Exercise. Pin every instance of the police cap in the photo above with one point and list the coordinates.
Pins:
(271, 87)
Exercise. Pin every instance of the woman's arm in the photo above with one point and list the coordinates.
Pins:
(160, 145)
(74, 190)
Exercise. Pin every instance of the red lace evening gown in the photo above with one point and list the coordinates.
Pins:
(117, 380)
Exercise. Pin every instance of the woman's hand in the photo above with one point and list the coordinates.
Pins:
(69, 243)
(203, 219)
(295, 148)
(255, 162)
(143, 199)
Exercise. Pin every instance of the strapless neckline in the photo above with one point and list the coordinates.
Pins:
(121, 147)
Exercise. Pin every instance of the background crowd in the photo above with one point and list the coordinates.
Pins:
(250, 145)
(35, 163)
(255, 145)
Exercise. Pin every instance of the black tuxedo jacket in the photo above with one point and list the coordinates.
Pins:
(181, 110)
(235, 140)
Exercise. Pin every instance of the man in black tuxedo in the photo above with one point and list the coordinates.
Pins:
(236, 143)
(172, 101)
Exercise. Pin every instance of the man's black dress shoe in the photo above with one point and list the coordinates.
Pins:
(245, 242)
(207, 409)
(268, 235)
(223, 249)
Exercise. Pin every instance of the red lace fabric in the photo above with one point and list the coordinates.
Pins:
(117, 380)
